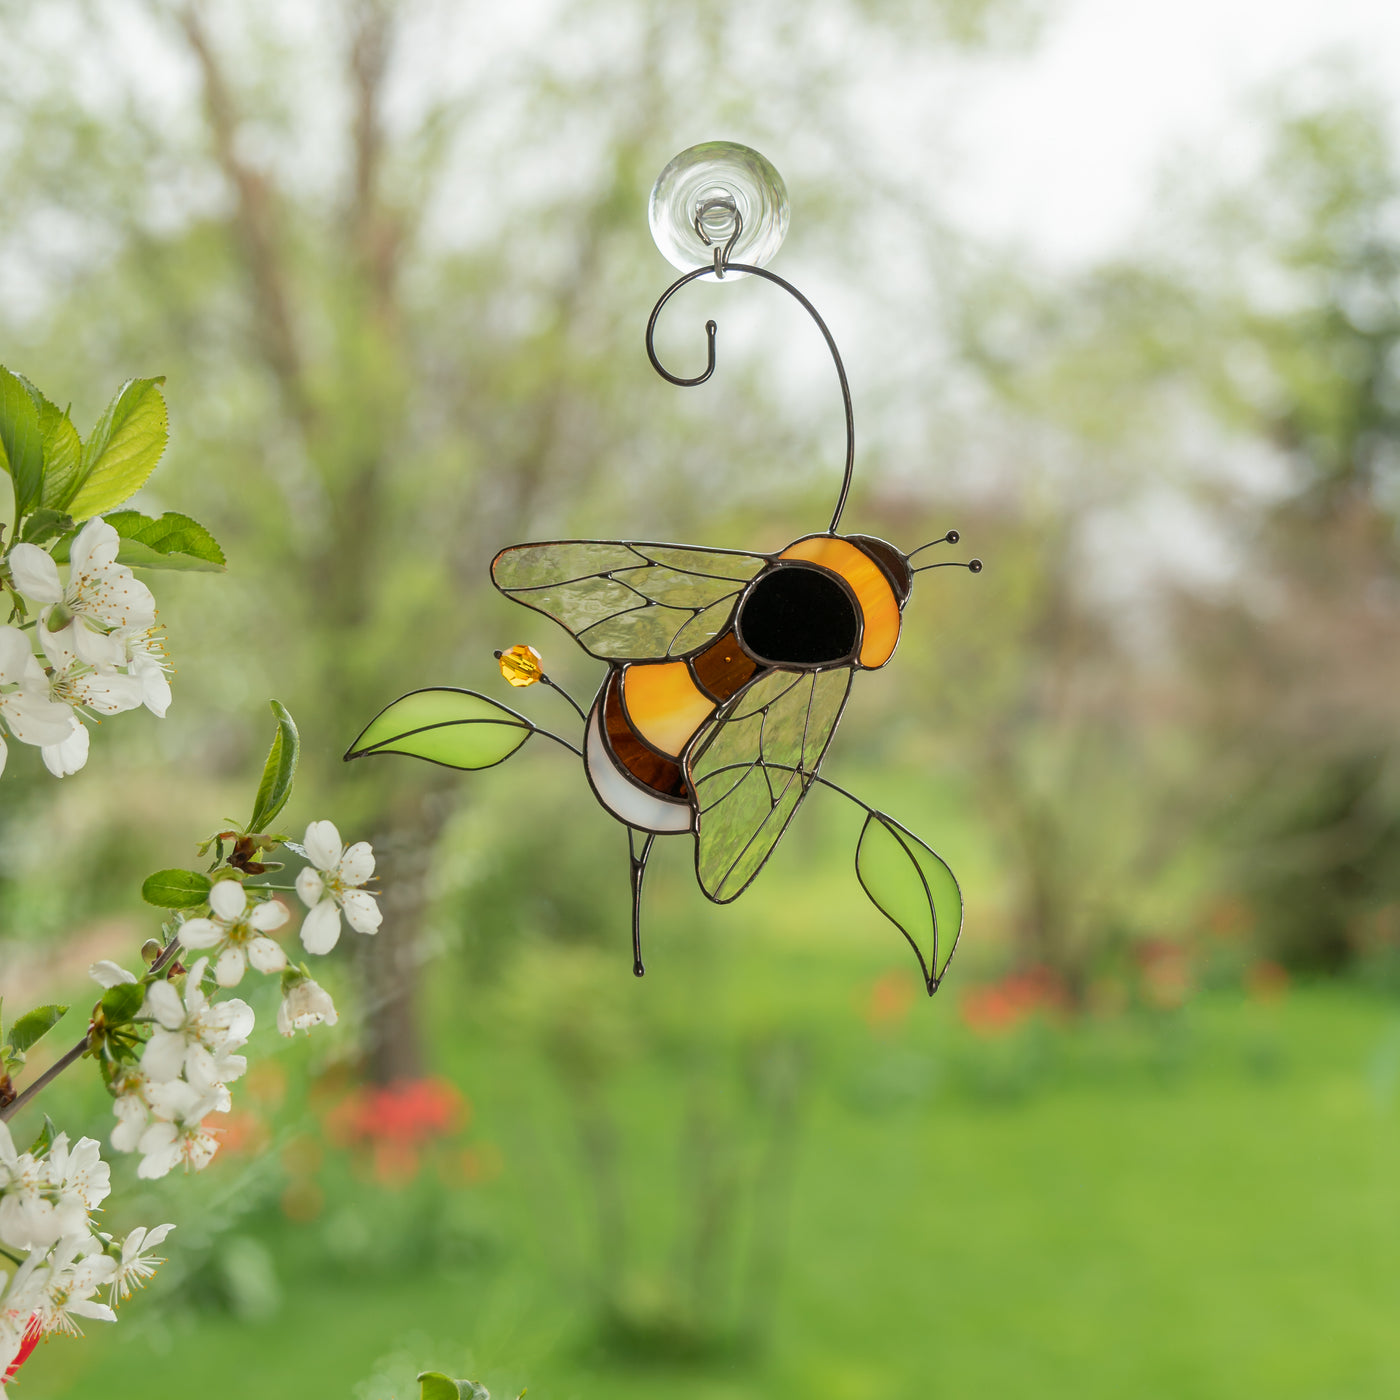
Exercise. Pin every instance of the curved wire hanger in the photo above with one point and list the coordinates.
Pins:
(720, 267)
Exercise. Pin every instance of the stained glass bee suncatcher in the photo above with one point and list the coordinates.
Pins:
(727, 670)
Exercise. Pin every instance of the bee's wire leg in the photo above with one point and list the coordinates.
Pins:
(554, 685)
(639, 870)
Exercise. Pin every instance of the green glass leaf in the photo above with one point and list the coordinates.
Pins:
(913, 887)
(21, 440)
(457, 728)
(176, 889)
(122, 451)
(34, 1025)
(122, 1003)
(279, 771)
(63, 452)
(173, 541)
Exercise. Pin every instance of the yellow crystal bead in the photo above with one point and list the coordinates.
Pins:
(521, 665)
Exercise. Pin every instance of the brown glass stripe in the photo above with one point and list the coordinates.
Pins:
(646, 765)
(723, 668)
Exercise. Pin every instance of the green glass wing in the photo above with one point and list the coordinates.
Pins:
(751, 769)
(457, 728)
(911, 884)
(624, 601)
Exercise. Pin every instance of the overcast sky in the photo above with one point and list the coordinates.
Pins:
(1058, 149)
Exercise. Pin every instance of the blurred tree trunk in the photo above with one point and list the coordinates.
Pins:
(351, 413)
(347, 426)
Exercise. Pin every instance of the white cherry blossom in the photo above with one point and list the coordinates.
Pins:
(79, 683)
(18, 1299)
(79, 1170)
(330, 885)
(66, 758)
(172, 1100)
(132, 1109)
(178, 1136)
(28, 1216)
(147, 661)
(106, 973)
(304, 1005)
(25, 707)
(137, 1263)
(100, 597)
(75, 683)
(66, 1282)
(47, 1199)
(237, 934)
(194, 1037)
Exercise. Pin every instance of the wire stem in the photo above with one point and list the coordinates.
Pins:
(836, 787)
(548, 734)
(554, 685)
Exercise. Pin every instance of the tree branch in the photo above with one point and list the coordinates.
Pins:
(45, 1079)
(376, 235)
(9, 1110)
(254, 223)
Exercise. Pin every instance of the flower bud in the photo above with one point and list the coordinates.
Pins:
(304, 1004)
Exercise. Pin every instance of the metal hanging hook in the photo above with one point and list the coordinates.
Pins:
(709, 206)
(722, 264)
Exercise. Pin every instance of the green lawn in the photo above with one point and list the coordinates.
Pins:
(1204, 1207)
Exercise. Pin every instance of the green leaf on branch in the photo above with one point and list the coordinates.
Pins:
(122, 451)
(63, 451)
(34, 1025)
(279, 771)
(437, 1386)
(44, 1141)
(21, 440)
(44, 524)
(456, 728)
(173, 541)
(912, 886)
(122, 1003)
(176, 889)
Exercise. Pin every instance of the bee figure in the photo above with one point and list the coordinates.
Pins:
(727, 674)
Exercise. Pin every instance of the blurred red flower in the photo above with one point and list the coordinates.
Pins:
(1266, 980)
(889, 1002)
(241, 1132)
(1165, 971)
(394, 1122)
(1001, 1006)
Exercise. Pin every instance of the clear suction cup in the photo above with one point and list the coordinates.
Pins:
(711, 193)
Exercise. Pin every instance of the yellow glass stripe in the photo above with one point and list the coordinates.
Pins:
(664, 704)
(879, 607)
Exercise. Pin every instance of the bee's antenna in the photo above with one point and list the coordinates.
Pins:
(973, 566)
(952, 537)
